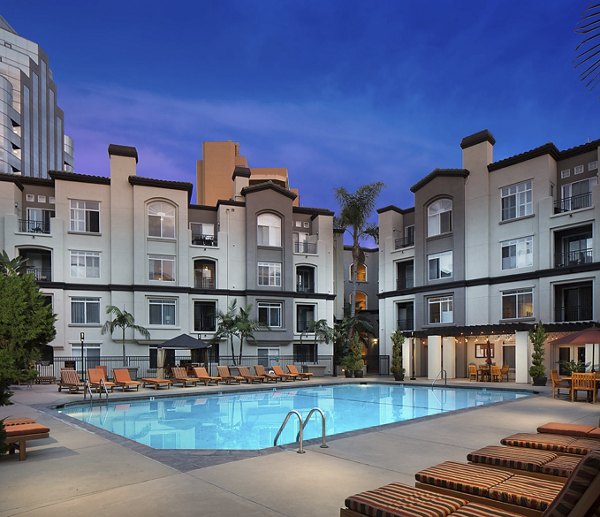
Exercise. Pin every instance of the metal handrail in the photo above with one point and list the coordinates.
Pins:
(87, 389)
(444, 375)
(287, 417)
(323, 425)
(103, 386)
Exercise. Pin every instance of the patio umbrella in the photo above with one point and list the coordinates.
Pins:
(583, 337)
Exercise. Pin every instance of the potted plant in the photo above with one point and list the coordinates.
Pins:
(537, 371)
(347, 365)
(357, 362)
(573, 366)
(397, 368)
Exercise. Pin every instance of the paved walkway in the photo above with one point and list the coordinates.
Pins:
(78, 472)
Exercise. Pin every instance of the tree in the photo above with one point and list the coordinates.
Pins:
(226, 327)
(397, 367)
(537, 336)
(344, 332)
(12, 267)
(355, 210)
(245, 327)
(588, 51)
(123, 320)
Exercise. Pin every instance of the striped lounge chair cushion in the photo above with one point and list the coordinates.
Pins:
(481, 510)
(575, 488)
(594, 434)
(561, 466)
(566, 429)
(400, 500)
(526, 491)
(512, 457)
(470, 479)
(552, 442)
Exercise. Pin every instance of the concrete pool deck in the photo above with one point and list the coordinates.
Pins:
(78, 472)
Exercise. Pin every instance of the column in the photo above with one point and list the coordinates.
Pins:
(521, 357)
(434, 356)
(450, 356)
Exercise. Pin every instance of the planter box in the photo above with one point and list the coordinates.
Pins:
(318, 370)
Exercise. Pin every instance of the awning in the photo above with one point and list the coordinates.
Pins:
(184, 342)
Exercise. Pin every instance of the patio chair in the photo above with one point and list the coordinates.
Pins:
(70, 379)
(292, 368)
(97, 378)
(180, 376)
(580, 430)
(261, 372)
(284, 376)
(505, 371)
(155, 382)
(202, 374)
(583, 382)
(123, 380)
(553, 442)
(225, 374)
(17, 436)
(248, 377)
(558, 383)
(496, 373)
(473, 372)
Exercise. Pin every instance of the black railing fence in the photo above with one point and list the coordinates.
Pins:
(33, 226)
(574, 258)
(404, 242)
(573, 203)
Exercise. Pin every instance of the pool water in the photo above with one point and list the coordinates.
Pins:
(250, 420)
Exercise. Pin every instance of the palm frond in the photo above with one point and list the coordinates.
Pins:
(588, 50)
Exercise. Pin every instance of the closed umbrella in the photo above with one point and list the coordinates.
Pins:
(583, 337)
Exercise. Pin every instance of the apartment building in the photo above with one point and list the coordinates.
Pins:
(489, 250)
(32, 138)
(139, 243)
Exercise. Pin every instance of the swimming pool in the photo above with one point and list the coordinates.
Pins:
(250, 420)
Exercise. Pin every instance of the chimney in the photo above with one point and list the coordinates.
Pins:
(241, 179)
(122, 162)
(478, 150)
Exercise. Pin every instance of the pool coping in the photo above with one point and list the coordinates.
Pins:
(185, 460)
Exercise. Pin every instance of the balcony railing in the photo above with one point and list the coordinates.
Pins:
(573, 313)
(301, 288)
(203, 283)
(573, 203)
(41, 274)
(573, 258)
(199, 239)
(305, 247)
(33, 226)
(404, 283)
(406, 324)
(404, 242)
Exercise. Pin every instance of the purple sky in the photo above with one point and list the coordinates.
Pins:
(341, 92)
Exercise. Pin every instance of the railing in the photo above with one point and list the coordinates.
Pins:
(442, 375)
(305, 288)
(203, 283)
(305, 247)
(323, 426)
(199, 239)
(573, 258)
(406, 324)
(404, 283)
(573, 313)
(568, 204)
(404, 242)
(33, 226)
(40, 274)
(285, 421)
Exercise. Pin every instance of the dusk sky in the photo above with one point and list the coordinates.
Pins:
(342, 93)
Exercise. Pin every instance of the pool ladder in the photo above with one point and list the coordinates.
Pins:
(300, 435)
(442, 375)
(88, 390)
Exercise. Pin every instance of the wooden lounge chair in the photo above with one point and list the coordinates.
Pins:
(180, 376)
(284, 376)
(155, 382)
(558, 383)
(123, 380)
(17, 420)
(583, 382)
(202, 374)
(97, 377)
(17, 436)
(579, 496)
(553, 442)
(70, 379)
(301, 375)
(261, 372)
(225, 374)
(248, 377)
(580, 430)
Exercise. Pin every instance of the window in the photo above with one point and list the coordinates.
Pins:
(565, 173)
(360, 302)
(269, 274)
(517, 303)
(161, 220)
(409, 235)
(85, 311)
(205, 316)
(268, 230)
(361, 273)
(577, 195)
(203, 234)
(440, 309)
(305, 316)
(578, 169)
(269, 314)
(85, 264)
(517, 253)
(204, 274)
(30, 198)
(516, 200)
(439, 217)
(440, 265)
(161, 311)
(305, 279)
(84, 216)
(305, 353)
(161, 268)
(38, 221)
(592, 166)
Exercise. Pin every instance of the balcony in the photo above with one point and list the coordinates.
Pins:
(199, 239)
(573, 203)
(573, 313)
(33, 226)
(203, 283)
(405, 324)
(303, 288)
(404, 242)
(305, 247)
(574, 258)
(41, 274)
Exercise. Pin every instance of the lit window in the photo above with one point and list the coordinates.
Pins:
(269, 314)
(361, 273)
(161, 311)
(439, 217)
(84, 216)
(360, 301)
(269, 274)
(161, 268)
(440, 309)
(440, 265)
(268, 231)
(85, 264)
(517, 303)
(85, 311)
(516, 200)
(517, 253)
(161, 220)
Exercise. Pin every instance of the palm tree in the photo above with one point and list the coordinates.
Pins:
(321, 331)
(245, 327)
(588, 51)
(355, 210)
(226, 327)
(122, 320)
(11, 267)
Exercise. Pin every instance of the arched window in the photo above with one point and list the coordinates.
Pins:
(360, 302)
(361, 273)
(268, 231)
(305, 279)
(204, 274)
(439, 217)
(161, 220)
